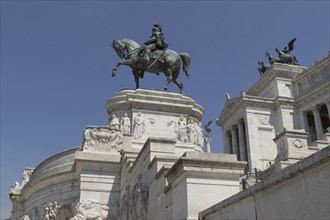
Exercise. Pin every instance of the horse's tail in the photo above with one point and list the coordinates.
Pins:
(185, 57)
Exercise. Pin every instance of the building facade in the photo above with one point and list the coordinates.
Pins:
(286, 138)
(148, 161)
(286, 98)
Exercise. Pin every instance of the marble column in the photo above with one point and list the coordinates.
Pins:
(306, 125)
(318, 123)
(241, 140)
(227, 145)
(328, 108)
(234, 141)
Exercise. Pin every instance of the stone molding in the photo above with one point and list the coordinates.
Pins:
(313, 97)
(244, 102)
(284, 102)
(319, 66)
(205, 163)
(276, 70)
(292, 145)
(53, 166)
(153, 100)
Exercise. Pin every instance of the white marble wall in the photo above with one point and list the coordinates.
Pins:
(300, 191)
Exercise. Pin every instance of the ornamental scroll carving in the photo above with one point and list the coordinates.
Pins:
(102, 138)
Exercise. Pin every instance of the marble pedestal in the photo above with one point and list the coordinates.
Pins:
(147, 163)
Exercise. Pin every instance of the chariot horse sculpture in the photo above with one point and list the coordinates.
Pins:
(168, 62)
(285, 54)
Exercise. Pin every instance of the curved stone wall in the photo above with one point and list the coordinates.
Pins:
(52, 181)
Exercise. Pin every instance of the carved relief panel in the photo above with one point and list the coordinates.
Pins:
(102, 138)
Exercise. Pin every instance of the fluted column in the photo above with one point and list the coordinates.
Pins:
(234, 140)
(241, 140)
(318, 123)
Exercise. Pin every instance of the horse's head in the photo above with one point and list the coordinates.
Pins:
(120, 49)
(278, 51)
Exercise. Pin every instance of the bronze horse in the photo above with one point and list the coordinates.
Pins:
(130, 52)
(286, 58)
(272, 59)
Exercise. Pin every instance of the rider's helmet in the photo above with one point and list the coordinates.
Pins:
(157, 27)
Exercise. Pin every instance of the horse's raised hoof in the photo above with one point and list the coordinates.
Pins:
(113, 73)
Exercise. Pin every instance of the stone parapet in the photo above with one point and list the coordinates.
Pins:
(299, 191)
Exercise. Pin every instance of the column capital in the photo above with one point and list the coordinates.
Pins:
(241, 121)
(316, 107)
(234, 127)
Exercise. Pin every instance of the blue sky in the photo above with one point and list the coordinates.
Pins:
(56, 62)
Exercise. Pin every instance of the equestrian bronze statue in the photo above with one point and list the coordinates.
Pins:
(153, 57)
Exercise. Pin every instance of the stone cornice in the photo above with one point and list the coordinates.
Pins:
(284, 102)
(153, 100)
(247, 102)
(205, 163)
(149, 145)
(230, 105)
(308, 98)
(42, 166)
(318, 65)
(276, 70)
(290, 133)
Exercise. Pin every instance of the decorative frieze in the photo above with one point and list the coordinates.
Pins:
(191, 133)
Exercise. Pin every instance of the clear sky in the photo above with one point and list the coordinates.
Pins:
(56, 62)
